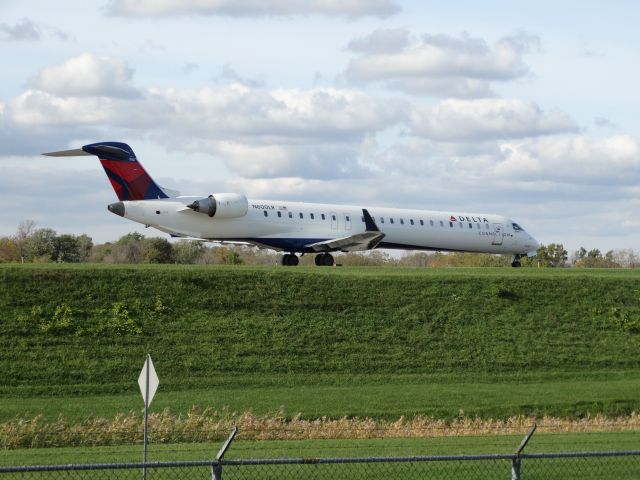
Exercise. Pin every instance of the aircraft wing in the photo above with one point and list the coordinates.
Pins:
(352, 243)
(360, 241)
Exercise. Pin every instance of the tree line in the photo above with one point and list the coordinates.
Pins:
(45, 245)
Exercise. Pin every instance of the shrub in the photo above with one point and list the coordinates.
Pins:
(61, 322)
(626, 319)
(120, 323)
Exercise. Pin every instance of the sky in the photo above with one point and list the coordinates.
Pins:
(526, 109)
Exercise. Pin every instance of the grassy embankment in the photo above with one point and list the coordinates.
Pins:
(368, 342)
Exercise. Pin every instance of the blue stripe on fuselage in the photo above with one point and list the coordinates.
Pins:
(300, 244)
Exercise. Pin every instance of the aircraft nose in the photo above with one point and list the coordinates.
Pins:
(117, 208)
(536, 244)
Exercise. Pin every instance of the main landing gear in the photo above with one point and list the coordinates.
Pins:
(324, 259)
(516, 260)
(289, 259)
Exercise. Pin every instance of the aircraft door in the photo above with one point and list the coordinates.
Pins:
(497, 234)
(334, 221)
(347, 222)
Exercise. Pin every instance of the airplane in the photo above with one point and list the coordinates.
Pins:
(297, 227)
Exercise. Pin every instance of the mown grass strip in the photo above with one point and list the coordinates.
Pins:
(363, 340)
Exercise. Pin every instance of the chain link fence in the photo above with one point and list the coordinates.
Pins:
(575, 465)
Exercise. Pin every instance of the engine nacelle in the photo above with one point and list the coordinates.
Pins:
(222, 205)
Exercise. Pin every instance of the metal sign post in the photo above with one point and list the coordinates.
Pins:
(148, 381)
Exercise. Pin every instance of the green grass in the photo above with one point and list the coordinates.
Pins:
(622, 468)
(380, 342)
(570, 398)
(467, 445)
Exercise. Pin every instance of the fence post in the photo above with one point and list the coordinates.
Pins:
(216, 469)
(516, 461)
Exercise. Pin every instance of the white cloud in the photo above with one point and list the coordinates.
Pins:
(237, 112)
(440, 64)
(228, 75)
(227, 112)
(317, 161)
(443, 87)
(92, 90)
(87, 75)
(25, 30)
(39, 108)
(486, 119)
(613, 160)
(317, 132)
(381, 41)
(250, 8)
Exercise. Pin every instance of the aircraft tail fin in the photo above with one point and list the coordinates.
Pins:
(128, 178)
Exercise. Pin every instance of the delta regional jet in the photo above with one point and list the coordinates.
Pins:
(296, 227)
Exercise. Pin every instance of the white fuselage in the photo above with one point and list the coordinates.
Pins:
(291, 226)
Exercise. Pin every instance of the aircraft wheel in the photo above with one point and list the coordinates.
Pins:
(327, 261)
(289, 260)
(516, 261)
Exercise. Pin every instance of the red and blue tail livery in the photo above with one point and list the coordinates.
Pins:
(128, 178)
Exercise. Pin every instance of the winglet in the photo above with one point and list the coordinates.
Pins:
(368, 221)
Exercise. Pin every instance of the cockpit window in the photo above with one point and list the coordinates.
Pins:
(517, 228)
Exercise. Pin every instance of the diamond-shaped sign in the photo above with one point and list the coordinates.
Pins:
(154, 381)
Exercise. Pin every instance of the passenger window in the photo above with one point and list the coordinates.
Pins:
(450, 224)
(487, 225)
(381, 219)
(322, 216)
(347, 218)
(333, 217)
(266, 214)
(311, 215)
(411, 221)
(301, 215)
(422, 223)
(391, 221)
(470, 226)
(362, 218)
(442, 223)
(460, 224)
(290, 214)
(431, 222)
(279, 214)
(401, 222)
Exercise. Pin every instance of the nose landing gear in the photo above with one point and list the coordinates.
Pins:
(515, 262)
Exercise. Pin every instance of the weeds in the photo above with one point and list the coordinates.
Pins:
(209, 425)
(628, 320)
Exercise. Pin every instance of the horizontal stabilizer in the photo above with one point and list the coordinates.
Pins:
(76, 152)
